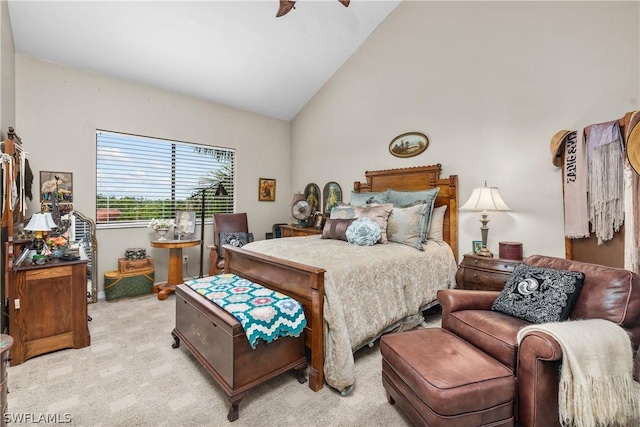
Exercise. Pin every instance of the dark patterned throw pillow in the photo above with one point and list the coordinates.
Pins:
(539, 295)
(237, 239)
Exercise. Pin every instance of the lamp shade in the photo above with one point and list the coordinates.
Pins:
(485, 199)
(39, 222)
(50, 221)
(297, 197)
(221, 191)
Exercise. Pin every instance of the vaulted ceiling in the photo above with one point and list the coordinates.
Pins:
(234, 53)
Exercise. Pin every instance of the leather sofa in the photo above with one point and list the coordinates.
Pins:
(608, 293)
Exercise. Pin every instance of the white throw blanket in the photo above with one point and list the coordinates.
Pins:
(596, 378)
(606, 185)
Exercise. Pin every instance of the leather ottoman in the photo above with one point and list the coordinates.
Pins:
(440, 380)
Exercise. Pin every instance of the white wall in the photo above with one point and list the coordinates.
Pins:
(7, 72)
(489, 83)
(58, 110)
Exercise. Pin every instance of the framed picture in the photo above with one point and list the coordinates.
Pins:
(318, 221)
(266, 190)
(408, 144)
(477, 245)
(56, 185)
(331, 196)
(185, 225)
(312, 194)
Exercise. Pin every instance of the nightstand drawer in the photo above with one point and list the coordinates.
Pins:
(486, 279)
(492, 264)
(293, 231)
(481, 273)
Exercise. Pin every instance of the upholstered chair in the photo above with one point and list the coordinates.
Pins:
(224, 223)
(608, 293)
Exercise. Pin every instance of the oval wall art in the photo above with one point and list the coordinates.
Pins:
(408, 144)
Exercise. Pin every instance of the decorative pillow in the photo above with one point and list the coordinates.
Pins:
(538, 294)
(342, 212)
(363, 232)
(436, 230)
(336, 229)
(405, 225)
(237, 239)
(406, 198)
(379, 214)
(358, 199)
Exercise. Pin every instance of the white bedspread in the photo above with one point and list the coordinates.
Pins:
(367, 289)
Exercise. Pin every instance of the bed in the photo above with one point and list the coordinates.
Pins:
(342, 319)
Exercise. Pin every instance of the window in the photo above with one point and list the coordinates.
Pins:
(140, 178)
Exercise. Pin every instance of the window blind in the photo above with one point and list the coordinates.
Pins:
(140, 178)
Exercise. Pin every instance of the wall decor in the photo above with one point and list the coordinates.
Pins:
(56, 185)
(477, 245)
(312, 194)
(331, 196)
(267, 190)
(408, 144)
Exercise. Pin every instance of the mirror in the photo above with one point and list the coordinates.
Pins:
(80, 230)
(83, 232)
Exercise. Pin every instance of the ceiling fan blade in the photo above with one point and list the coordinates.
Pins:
(285, 7)
(345, 3)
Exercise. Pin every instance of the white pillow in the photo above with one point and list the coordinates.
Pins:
(437, 224)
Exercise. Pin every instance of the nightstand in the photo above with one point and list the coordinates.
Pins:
(294, 231)
(484, 274)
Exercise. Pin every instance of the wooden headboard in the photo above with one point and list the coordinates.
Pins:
(420, 178)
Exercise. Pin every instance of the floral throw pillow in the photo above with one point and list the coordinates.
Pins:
(363, 232)
(237, 239)
(539, 295)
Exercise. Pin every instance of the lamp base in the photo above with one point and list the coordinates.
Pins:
(484, 252)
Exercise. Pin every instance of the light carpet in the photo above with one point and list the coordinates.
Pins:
(130, 376)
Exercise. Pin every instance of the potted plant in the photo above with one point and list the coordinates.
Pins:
(161, 226)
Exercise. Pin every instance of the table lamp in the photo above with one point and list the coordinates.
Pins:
(39, 223)
(485, 199)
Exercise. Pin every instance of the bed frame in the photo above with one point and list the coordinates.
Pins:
(306, 283)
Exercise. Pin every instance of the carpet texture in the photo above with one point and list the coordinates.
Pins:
(130, 376)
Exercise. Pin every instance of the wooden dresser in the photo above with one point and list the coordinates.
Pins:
(5, 347)
(484, 274)
(47, 308)
(293, 231)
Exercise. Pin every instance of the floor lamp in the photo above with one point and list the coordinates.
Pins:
(220, 191)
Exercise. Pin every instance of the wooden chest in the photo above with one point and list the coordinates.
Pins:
(217, 340)
(131, 265)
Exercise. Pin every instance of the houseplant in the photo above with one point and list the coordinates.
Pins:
(161, 226)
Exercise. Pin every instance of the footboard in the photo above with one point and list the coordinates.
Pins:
(299, 281)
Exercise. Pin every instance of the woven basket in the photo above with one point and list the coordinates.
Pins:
(135, 253)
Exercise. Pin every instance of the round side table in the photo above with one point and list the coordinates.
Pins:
(175, 264)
